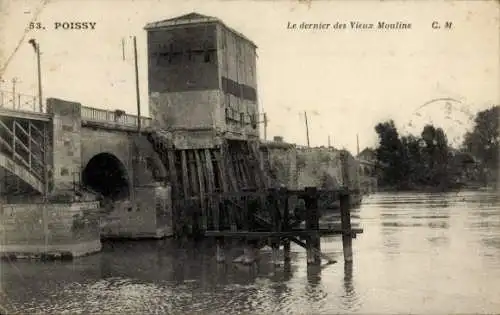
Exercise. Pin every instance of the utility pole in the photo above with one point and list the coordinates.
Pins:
(307, 130)
(357, 144)
(138, 96)
(123, 49)
(36, 47)
(265, 127)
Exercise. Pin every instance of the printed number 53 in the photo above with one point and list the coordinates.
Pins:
(36, 25)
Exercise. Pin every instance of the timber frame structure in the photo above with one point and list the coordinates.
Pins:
(198, 175)
(223, 192)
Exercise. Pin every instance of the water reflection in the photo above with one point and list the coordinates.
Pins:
(443, 249)
(350, 299)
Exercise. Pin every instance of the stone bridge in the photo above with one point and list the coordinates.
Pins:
(71, 153)
(70, 147)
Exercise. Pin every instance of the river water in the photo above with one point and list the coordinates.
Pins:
(419, 253)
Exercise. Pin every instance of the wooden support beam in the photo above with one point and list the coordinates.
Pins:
(244, 162)
(186, 206)
(201, 185)
(220, 170)
(304, 245)
(286, 224)
(312, 224)
(213, 200)
(243, 193)
(172, 171)
(274, 207)
(238, 171)
(185, 175)
(253, 171)
(195, 191)
(220, 250)
(246, 219)
(268, 234)
(193, 176)
(262, 176)
(231, 171)
(345, 219)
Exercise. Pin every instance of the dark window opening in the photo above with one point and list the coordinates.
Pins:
(64, 172)
(253, 119)
(239, 90)
(242, 118)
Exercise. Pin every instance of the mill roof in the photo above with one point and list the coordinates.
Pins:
(192, 18)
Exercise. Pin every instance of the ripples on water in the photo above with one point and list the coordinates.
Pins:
(420, 253)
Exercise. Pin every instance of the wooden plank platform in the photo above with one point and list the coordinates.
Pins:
(294, 232)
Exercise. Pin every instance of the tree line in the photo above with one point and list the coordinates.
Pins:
(427, 160)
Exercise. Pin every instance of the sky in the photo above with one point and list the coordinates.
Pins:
(346, 80)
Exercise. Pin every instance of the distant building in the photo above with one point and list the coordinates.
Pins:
(202, 80)
(368, 155)
(367, 170)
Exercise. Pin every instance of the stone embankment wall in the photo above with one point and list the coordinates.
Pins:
(65, 229)
(280, 163)
(297, 168)
(149, 216)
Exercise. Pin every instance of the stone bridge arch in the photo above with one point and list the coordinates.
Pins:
(115, 148)
(107, 175)
(135, 153)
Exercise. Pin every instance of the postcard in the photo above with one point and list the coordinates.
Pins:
(245, 156)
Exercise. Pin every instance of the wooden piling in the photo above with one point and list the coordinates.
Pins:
(312, 225)
(185, 175)
(220, 253)
(201, 186)
(231, 171)
(217, 212)
(246, 219)
(274, 207)
(172, 170)
(220, 169)
(345, 221)
(286, 223)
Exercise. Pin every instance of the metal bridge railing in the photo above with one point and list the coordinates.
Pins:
(19, 101)
(25, 102)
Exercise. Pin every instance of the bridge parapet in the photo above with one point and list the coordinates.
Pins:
(116, 117)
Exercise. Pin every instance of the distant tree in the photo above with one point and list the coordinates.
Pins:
(483, 141)
(412, 159)
(441, 155)
(434, 156)
(389, 153)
